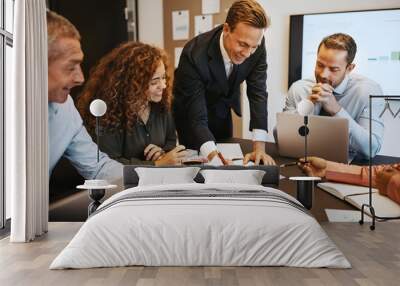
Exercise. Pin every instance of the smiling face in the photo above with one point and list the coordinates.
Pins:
(241, 42)
(64, 71)
(157, 84)
(331, 66)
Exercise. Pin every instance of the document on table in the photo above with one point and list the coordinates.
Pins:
(240, 163)
(230, 151)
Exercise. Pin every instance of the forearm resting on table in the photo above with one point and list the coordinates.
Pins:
(352, 174)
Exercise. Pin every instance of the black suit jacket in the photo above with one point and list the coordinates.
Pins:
(201, 88)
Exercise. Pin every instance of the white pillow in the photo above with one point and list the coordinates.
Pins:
(163, 176)
(248, 177)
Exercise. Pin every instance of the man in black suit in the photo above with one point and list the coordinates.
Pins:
(207, 82)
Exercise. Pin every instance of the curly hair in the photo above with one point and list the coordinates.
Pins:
(121, 79)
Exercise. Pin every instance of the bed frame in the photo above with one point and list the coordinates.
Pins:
(270, 179)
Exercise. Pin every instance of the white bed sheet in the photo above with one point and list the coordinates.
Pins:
(200, 231)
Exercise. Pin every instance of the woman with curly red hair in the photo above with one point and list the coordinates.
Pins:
(138, 127)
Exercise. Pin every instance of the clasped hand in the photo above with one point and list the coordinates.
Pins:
(323, 93)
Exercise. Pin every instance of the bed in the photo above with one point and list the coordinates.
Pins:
(201, 223)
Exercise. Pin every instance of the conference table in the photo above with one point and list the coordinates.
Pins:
(69, 204)
(322, 200)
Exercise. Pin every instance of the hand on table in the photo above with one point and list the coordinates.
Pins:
(153, 152)
(173, 157)
(258, 155)
(215, 158)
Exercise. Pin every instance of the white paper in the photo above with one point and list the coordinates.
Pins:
(202, 24)
(180, 25)
(210, 6)
(178, 52)
(191, 153)
(230, 151)
(240, 163)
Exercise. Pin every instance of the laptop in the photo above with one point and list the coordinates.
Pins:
(328, 137)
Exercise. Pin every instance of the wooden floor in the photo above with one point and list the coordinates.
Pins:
(374, 255)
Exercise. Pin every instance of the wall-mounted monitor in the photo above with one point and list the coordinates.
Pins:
(376, 32)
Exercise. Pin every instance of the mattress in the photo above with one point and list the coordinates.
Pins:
(201, 225)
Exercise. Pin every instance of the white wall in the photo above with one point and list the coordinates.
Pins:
(150, 14)
(277, 39)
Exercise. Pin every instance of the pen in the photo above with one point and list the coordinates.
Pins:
(222, 159)
(288, 164)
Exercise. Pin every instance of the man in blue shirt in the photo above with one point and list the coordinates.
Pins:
(338, 92)
(67, 135)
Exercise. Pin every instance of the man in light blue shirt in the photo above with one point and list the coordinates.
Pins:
(337, 92)
(67, 135)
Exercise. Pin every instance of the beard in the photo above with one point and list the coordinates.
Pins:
(332, 83)
(323, 80)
